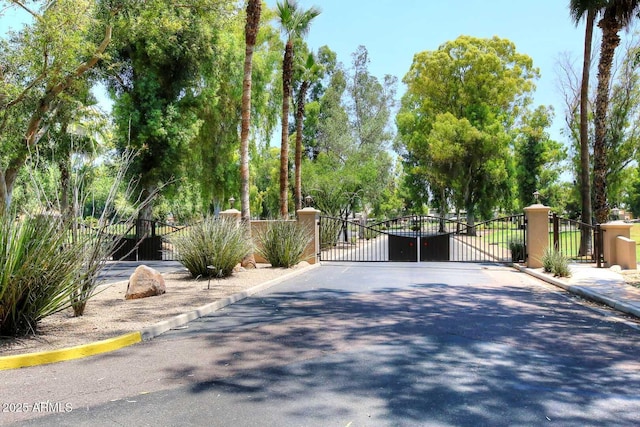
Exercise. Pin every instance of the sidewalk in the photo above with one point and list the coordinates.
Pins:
(602, 285)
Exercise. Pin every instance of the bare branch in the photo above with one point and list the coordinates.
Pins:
(26, 9)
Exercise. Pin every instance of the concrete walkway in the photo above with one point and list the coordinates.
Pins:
(603, 285)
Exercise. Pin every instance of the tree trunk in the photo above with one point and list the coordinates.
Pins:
(585, 162)
(298, 160)
(244, 135)
(287, 72)
(610, 40)
(251, 30)
(145, 215)
(66, 209)
(471, 224)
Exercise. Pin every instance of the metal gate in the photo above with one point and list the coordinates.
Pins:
(423, 238)
(143, 240)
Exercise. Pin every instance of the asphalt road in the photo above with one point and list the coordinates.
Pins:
(362, 345)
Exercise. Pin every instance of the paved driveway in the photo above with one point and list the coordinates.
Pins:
(365, 345)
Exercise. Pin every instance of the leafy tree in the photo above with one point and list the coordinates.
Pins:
(351, 168)
(310, 71)
(454, 120)
(40, 63)
(295, 23)
(537, 157)
(156, 70)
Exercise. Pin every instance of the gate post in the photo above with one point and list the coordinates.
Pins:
(232, 214)
(610, 233)
(537, 233)
(308, 217)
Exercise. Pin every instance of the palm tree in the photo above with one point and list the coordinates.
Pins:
(295, 23)
(578, 8)
(251, 31)
(310, 71)
(616, 15)
(252, 26)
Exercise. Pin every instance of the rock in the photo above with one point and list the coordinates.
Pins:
(145, 282)
(248, 262)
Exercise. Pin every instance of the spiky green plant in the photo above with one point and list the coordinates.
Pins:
(282, 243)
(556, 263)
(38, 272)
(218, 242)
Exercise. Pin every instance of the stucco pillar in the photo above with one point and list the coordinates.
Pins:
(231, 213)
(308, 217)
(537, 233)
(610, 233)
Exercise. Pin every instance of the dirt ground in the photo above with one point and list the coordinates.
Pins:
(108, 314)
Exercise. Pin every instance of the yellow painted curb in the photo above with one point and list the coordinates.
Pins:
(42, 358)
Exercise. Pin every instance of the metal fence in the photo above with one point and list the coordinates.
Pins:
(578, 241)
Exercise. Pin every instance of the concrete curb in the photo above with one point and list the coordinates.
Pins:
(77, 352)
(582, 291)
(116, 343)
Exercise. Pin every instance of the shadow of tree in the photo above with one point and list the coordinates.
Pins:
(443, 352)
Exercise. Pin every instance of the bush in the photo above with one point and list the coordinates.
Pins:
(556, 263)
(40, 272)
(282, 243)
(219, 242)
(517, 248)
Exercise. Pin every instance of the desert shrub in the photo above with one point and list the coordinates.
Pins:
(39, 271)
(282, 243)
(219, 242)
(556, 263)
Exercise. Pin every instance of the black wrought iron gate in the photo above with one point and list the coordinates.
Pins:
(422, 238)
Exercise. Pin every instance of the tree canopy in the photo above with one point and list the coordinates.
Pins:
(461, 102)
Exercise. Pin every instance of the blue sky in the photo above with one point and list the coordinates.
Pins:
(394, 30)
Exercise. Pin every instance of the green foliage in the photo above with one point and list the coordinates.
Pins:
(556, 263)
(329, 233)
(219, 242)
(282, 243)
(538, 158)
(45, 70)
(351, 168)
(517, 248)
(39, 271)
(461, 99)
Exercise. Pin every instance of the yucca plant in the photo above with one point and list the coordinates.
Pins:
(282, 243)
(218, 242)
(38, 272)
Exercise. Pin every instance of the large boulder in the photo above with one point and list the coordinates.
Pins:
(145, 282)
